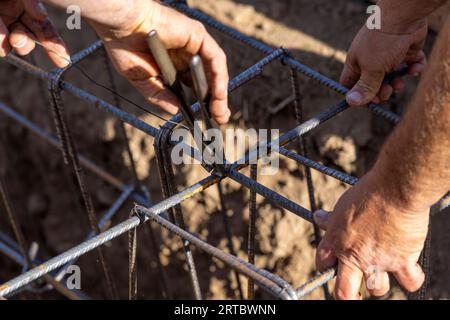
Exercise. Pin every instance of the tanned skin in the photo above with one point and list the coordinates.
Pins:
(380, 225)
(376, 53)
(123, 26)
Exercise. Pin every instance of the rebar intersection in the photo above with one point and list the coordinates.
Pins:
(168, 213)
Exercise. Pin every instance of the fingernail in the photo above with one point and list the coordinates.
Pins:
(42, 10)
(354, 97)
(21, 43)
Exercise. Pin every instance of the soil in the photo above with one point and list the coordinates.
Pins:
(318, 34)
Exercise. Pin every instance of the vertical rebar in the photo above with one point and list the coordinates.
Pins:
(131, 159)
(253, 215)
(12, 219)
(163, 280)
(71, 158)
(132, 264)
(167, 176)
(11, 212)
(229, 234)
(303, 150)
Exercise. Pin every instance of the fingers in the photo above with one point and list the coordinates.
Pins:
(21, 40)
(216, 63)
(4, 43)
(348, 283)
(322, 218)
(141, 71)
(377, 282)
(410, 278)
(366, 89)
(35, 9)
(46, 34)
(214, 59)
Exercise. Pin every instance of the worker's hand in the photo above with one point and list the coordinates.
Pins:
(368, 236)
(184, 38)
(376, 53)
(21, 21)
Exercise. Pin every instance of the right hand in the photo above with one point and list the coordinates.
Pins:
(182, 36)
(376, 53)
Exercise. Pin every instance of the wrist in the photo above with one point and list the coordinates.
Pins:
(388, 188)
(128, 18)
(398, 18)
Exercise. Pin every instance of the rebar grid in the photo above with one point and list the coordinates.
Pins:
(168, 213)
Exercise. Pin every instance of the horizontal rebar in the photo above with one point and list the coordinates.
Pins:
(102, 223)
(88, 164)
(261, 46)
(101, 238)
(10, 249)
(271, 284)
(341, 176)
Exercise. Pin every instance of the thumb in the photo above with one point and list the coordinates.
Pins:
(366, 89)
(322, 218)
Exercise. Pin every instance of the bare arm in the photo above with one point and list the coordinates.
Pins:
(380, 225)
(400, 16)
(415, 162)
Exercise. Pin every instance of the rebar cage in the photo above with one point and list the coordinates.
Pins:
(168, 213)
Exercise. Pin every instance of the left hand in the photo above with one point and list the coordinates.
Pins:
(22, 21)
(368, 235)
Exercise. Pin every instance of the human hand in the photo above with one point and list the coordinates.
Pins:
(183, 37)
(22, 21)
(369, 236)
(376, 53)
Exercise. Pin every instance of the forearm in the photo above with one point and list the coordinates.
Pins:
(414, 164)
(402, 16)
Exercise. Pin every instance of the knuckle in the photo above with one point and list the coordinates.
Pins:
(199, 27)
(341, 294)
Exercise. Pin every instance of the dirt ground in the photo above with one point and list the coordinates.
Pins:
(318, 34)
